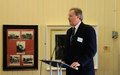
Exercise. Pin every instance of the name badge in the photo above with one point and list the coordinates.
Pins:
(79, 39)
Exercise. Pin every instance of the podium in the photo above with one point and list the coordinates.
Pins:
(59, 66)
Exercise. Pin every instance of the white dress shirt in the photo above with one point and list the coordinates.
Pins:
(76, 27)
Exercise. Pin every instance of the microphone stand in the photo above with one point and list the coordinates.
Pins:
(51, 60)
(53, 53)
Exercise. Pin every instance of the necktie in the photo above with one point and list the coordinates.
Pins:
(72, 35)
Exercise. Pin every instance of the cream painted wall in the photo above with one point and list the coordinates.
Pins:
(55, 12)
(118, 28)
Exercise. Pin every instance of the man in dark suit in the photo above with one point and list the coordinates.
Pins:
(80, 46)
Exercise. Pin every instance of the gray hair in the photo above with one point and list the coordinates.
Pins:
(78, 12)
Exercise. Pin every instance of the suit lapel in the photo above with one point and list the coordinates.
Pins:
(80, 28)
(78, 33)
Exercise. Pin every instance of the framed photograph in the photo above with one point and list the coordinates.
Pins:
(55, 40)
(20, 47)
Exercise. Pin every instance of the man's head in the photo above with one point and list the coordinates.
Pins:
(75, 16)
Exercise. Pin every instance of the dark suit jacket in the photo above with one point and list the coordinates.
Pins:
(82, 50)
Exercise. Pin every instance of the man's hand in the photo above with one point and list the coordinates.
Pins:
(75, 64)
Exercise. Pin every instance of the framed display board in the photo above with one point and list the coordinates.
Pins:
(20, 47)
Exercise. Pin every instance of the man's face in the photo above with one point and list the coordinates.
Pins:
(73, 18)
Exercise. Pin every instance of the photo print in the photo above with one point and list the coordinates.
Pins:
(27, 59)
(20, 47)
(13, 35)
(27, 35)
(15, 60)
